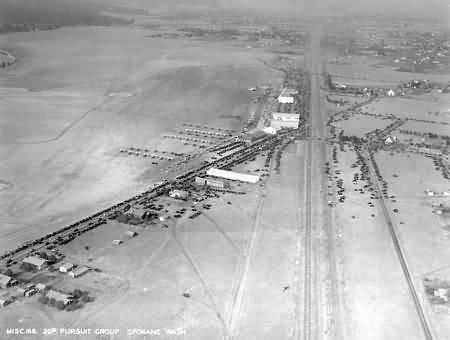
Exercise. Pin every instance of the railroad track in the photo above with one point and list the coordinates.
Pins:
(427, 330)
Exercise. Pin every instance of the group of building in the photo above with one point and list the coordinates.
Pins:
(31, 289)
(211, 180)
(40, 263)
(285, 119)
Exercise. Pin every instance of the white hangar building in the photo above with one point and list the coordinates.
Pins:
(287, 120)
(234, 176)
(287, 96)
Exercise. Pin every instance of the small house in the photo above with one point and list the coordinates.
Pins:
(38, 262)
(117, 242)
(391, 93)
(21, 291)
(4, 302)
(200, 180)
(216, 184)
(79, 271)
(66, 267)
(131, 234)
(7, 281)
(41, 287)
(58, 296)
(441, 293)
(30, 292)
(270, 130)
(179, 194)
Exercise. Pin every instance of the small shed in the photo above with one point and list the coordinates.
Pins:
(117, 242)
(21, 290)
(35, 261)
(179, 194)
(4, 302)
(131, 234)
(66, 267)
(79, 271)
(58, 296)
(7, 281)
(41, 287)
(200, 180)
(391, 93)
(30, 292)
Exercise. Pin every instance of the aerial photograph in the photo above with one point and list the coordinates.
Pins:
(225, 169)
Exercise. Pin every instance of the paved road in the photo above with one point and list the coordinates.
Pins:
(319, 313)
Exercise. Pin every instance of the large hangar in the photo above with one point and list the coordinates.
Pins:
(234, 176)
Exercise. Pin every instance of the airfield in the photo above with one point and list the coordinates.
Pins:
(67, 110)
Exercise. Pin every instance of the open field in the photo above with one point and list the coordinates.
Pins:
(375, 292)
(364, 71)
(61, 140)
(358, 125)
(431, 106)
(375, 296)
(224, 262)
(423, 234)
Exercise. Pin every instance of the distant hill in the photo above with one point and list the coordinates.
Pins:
(26, 15)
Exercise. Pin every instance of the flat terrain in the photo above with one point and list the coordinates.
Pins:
(376, 300)
(374, 290)
(235, 262)
(68, 106)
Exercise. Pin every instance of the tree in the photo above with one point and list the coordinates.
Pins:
(86, 298)
(9, 272)
(43, 299)
(28, 267)
(60, 305)
(77, 293)
(71, 307)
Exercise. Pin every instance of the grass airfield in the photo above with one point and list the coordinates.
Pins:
(77, 95)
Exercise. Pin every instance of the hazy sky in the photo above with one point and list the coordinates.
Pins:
(345, 6)
(321, 7)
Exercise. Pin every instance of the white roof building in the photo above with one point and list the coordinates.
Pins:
(66, 267)
(180, 194)
(65, 298)
(79, 271)
(36, 261)
(286, 117)
(235, 176)
(4, 302)
(7, 281)
(41, 287)
(131, 233)
(278, 124)
(287, 96)
(270, 130)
